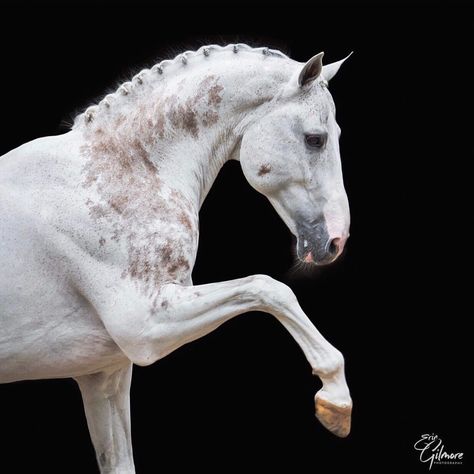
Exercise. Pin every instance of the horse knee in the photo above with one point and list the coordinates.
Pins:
(272, 293)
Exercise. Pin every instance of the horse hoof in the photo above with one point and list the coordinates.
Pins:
(336, 418)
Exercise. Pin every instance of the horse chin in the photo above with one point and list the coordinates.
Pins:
(308, 259)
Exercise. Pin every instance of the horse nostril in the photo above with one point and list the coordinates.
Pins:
(334, 246)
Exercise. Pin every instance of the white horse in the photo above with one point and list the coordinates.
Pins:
(99, 226)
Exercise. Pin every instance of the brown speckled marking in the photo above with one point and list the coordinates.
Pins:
(264, 169)
(178, 263)
(101, 241)
(214, 92)
(185, 220)
(184, 115)
(134, 204)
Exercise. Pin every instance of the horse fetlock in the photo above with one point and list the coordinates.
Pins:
(331, 365)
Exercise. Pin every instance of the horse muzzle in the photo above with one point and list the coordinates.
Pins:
(316, 246)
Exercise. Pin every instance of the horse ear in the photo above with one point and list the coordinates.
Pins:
(311, 70)
(330, 70)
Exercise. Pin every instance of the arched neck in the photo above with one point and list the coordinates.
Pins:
(186, 127)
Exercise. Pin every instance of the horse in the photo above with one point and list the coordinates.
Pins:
(99, 226)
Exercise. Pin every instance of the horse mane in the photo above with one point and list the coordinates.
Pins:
(157, 70)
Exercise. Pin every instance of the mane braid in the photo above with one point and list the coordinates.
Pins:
(158, 70)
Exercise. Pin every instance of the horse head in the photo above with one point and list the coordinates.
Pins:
(290, 153)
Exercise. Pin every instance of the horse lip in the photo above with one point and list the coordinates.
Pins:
(309, 257)
(318, 263)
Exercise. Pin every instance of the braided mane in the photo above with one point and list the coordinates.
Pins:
(157, 72)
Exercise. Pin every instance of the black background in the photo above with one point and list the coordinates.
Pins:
(396, 304)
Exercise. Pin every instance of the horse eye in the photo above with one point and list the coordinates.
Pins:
(315, 140)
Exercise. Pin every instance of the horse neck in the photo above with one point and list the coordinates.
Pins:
(186, 126)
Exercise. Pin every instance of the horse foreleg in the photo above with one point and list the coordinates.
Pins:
(187, 313)
(106, 397)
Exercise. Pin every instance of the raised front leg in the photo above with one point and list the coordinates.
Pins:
(106, 397)
(186, 313)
